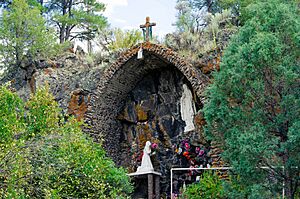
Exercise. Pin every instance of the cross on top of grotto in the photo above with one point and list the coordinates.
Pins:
(147, 29)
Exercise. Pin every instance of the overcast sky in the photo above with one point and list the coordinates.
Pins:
(129, 14)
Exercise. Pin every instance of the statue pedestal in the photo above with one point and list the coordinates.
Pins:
(152, 185)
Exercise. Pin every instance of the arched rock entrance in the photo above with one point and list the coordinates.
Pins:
(103, 105)
(122, 77)
(117, 87)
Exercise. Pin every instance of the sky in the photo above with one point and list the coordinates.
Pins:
(130, 14)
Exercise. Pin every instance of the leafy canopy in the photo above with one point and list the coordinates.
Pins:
(254, 103)
(43, 156)
(75, 18)
(198, 31)
(23, 34)
(72, 18)
(209, 186)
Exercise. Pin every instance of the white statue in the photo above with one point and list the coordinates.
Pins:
(146, 161)
(187, 109)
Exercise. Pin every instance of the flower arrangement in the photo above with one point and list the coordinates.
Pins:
(191, 156)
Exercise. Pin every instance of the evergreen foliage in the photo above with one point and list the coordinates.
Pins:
(238, 7)
(73, 19)
(23, 34)
(254, 103)
(76, 18)
(212, 6)
(43, 156)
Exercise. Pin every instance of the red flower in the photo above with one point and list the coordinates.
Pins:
(187, 146)
(154, 146)
(201, 152)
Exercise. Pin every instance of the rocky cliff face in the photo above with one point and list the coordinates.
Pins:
(71, 78)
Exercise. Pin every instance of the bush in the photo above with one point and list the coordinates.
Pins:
(47, 157)
(70, 164)
(11, 117)
(210, 186)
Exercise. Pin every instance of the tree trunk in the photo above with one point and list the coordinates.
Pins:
(18, 59)
(62, 34)
(62, 31)
(18, 52)
(68, 33)
(288, 188)
(209, 5)
(69, 13)
(288, 177)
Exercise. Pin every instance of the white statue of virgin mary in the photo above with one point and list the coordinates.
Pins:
(146, 161)
(187, 108)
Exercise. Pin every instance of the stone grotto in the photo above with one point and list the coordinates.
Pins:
(157, 98)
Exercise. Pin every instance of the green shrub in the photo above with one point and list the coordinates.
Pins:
(43, 114)
(46, 157)
(11, 117)
(71, 165)
(13, 165)
(210, 186)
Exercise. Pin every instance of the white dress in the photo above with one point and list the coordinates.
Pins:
(187, 109)
(146, 161)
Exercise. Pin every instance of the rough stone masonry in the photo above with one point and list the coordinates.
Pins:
(138, 100)
(121, 77)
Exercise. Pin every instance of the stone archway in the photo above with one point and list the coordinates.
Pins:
(121, 77)
(121, 80)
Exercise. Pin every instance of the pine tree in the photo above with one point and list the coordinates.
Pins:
(23, 34)
(76, 18)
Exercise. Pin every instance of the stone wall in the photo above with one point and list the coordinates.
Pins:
(121, 77)
(72, 80)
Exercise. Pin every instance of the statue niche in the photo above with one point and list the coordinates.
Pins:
(160, 109)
